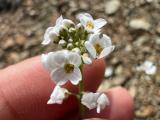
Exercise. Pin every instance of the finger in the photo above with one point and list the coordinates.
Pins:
(26, 88)
(120, 108)
(95, 119)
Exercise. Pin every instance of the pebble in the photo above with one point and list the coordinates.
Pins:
(108, 72)
(112, 6)
(139, 23)
(118, 80)
(13, 57)
(119, 70)
(104, 86)
(145, 111)
(158, 40)
(141, 40)
(20, 39)
(133, 91)
(9, 43)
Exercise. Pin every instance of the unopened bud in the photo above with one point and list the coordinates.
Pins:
(77, 50)
(72, 30)
(70, 46)
(63, 31)
(68, 23)
(63, 43)
(70, 40)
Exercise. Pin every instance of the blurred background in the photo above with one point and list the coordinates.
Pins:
(133, 25)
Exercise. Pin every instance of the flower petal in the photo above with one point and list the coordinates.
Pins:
(58, 95)
(99, 23)
(59, 76)
(59, 21)
(106, 51)
(87, 60)
(102, 101)
(106, 41)
(84, 18)
(90, 100)
(90, 49)
(76, 76)
(47, 39)
(74, 58)
(48, 61)
(54, 60)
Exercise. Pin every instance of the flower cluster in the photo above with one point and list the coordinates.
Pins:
(81, 44)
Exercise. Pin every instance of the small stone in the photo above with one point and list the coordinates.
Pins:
(118, 80)
(133, 91)
(119, 70)
(158, 40)
(104, 86)
(145, 111)
(24, 55)
(139, 23)
(84, 5)
(2, 64)
(128, 48)
(9, 43)
(13, 57)
(112, 6)
(20, 39)
(108, 72)
(141, 40)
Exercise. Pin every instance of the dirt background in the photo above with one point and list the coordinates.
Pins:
(22, 25)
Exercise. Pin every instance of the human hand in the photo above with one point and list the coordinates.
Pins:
(26, 87)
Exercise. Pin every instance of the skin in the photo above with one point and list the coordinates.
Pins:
(26, 87)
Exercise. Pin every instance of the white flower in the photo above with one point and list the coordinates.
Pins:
(90, 24)
(95, 100)
(64, 66)
(58, 95)
(148, 67)
(99, 45)
(52, 33)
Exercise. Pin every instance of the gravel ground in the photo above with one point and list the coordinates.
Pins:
(133, 25)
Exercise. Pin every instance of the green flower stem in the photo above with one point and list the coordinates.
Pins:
(81, 90)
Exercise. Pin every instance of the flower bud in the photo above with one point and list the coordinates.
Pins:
(77, 50)
(63, 31)
(68, 23)
(70, 40)
(76, 43)
(70, 46)
(63, 43)
(72, 30)
(79, 26)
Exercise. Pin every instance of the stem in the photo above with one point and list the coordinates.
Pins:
(81, 89)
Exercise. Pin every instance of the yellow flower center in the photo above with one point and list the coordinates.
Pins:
(68, 68)
(90, 25)
(98, 48)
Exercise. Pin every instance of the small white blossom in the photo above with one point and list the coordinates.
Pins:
(52, 33)
(90, 24)
(58, 95)
(148, 67)
(99, 45)
(64, 66)
(95, 100)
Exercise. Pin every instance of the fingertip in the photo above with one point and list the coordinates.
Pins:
(121, 106)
